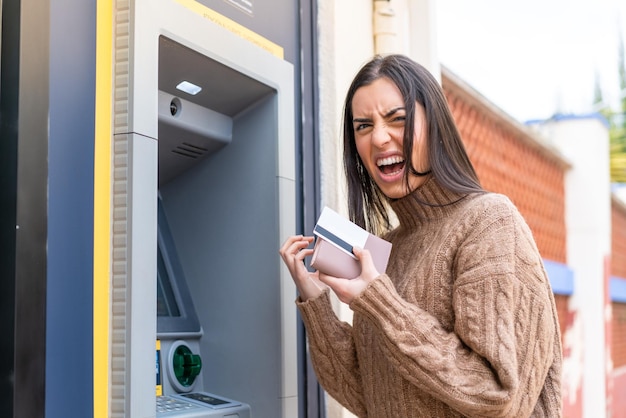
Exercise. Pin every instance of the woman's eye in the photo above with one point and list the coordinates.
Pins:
(361, 126)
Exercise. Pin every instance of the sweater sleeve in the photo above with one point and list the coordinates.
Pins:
(495, 360)
(333, 353)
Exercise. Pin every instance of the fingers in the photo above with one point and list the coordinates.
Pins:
(296, 248)
(293, 246)
(368, 269)
(294, 240)
(293, 252)
(347, 289)
(297, 240)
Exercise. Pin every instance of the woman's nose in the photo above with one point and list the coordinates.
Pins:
(380, 135)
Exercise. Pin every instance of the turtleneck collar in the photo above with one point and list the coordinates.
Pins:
(428, 202)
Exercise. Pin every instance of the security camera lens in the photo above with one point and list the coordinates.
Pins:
(175, 106)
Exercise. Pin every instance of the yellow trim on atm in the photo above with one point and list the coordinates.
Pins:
(102, 207)
(159, 369)
(233, 26)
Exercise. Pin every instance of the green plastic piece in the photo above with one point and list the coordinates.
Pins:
(187, 365)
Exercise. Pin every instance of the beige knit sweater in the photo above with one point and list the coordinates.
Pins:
(463, 323)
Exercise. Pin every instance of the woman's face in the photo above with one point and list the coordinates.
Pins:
(378, 121)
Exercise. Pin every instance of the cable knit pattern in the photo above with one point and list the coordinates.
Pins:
(463, 323)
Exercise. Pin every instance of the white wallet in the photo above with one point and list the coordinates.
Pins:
(335, 238)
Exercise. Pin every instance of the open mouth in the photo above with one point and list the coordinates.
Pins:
(391, 165)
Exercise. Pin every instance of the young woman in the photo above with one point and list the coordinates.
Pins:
(463, 322)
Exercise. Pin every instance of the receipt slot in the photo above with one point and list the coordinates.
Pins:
(204, 194)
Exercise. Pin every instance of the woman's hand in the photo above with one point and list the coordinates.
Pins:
(346, 290)
(293, 252)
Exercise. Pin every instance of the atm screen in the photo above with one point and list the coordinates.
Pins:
(166, 300)
(175, 310)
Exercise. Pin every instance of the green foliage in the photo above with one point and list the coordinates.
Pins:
(617, 138)
(617, 125)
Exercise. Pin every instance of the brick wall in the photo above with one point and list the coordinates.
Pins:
(618, 348)
(509, 160)
(618, 268)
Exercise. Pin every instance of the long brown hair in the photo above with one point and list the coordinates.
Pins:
(449, 163)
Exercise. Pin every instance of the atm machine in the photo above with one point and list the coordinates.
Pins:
(219, 337)
(204, 194)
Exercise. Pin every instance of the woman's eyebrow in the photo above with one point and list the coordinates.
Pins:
(386, 115)
(393, 111)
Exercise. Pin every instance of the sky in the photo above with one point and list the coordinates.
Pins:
(534, 58)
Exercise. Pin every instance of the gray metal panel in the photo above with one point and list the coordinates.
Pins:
(70, 192)
(187, 133)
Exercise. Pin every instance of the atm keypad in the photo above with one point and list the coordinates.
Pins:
(167, 404)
